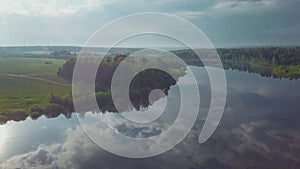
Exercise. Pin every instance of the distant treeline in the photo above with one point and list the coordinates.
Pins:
(57, 52)
(24, 49)
(277, 62)
(261, 56)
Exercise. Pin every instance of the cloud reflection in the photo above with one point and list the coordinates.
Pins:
(259, 130)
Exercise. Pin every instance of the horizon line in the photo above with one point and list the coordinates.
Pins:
(141, 47)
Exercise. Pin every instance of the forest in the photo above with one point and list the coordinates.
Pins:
(276, 62)
(141, 85)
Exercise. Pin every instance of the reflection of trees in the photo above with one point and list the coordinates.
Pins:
(262, 70)
(291, 72)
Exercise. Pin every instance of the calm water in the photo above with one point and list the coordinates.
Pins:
(260, 128)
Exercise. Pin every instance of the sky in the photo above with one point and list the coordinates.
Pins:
(227, 23)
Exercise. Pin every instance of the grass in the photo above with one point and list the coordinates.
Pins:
(291, 71)
(29, 66)
(20, 93)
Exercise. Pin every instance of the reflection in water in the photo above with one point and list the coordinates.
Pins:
(259, 129)
(3, 137)
(261, 70)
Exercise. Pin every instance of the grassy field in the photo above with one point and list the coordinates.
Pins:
(35, 67)
(28, 81)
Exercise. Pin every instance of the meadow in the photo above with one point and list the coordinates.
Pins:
(28, 81)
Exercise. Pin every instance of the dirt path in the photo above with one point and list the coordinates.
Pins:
(34, 78)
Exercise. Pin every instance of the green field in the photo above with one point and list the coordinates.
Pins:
(28, 81)
(32, 67)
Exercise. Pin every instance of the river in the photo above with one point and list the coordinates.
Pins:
(260, 128)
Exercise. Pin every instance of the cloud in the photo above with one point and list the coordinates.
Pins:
(22, 24)
(287, 30)
(42, 158)
(69, 154)
(228, 148)
(190, 14)
(242, 4)
(78, 151)
(49, 7)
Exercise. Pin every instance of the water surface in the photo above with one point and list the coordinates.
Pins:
(260, 128)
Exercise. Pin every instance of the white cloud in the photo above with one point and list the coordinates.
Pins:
(75, 149)
(242, 4)
(41, 158)
(260, 138)
(78, 151)
(190, 14)
(49, 7)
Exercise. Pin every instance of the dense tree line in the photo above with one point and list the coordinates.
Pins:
(277, 62)
(261, 56)
(140, 87)
(57, 52)
(57, 105)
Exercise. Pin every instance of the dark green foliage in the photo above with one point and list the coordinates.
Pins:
(67, 70)
(277, 62)
(263, 56)
(144, 82)
(140, 87)
(57, 105)
(260, 56)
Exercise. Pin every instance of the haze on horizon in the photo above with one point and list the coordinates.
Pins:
(227, 23)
